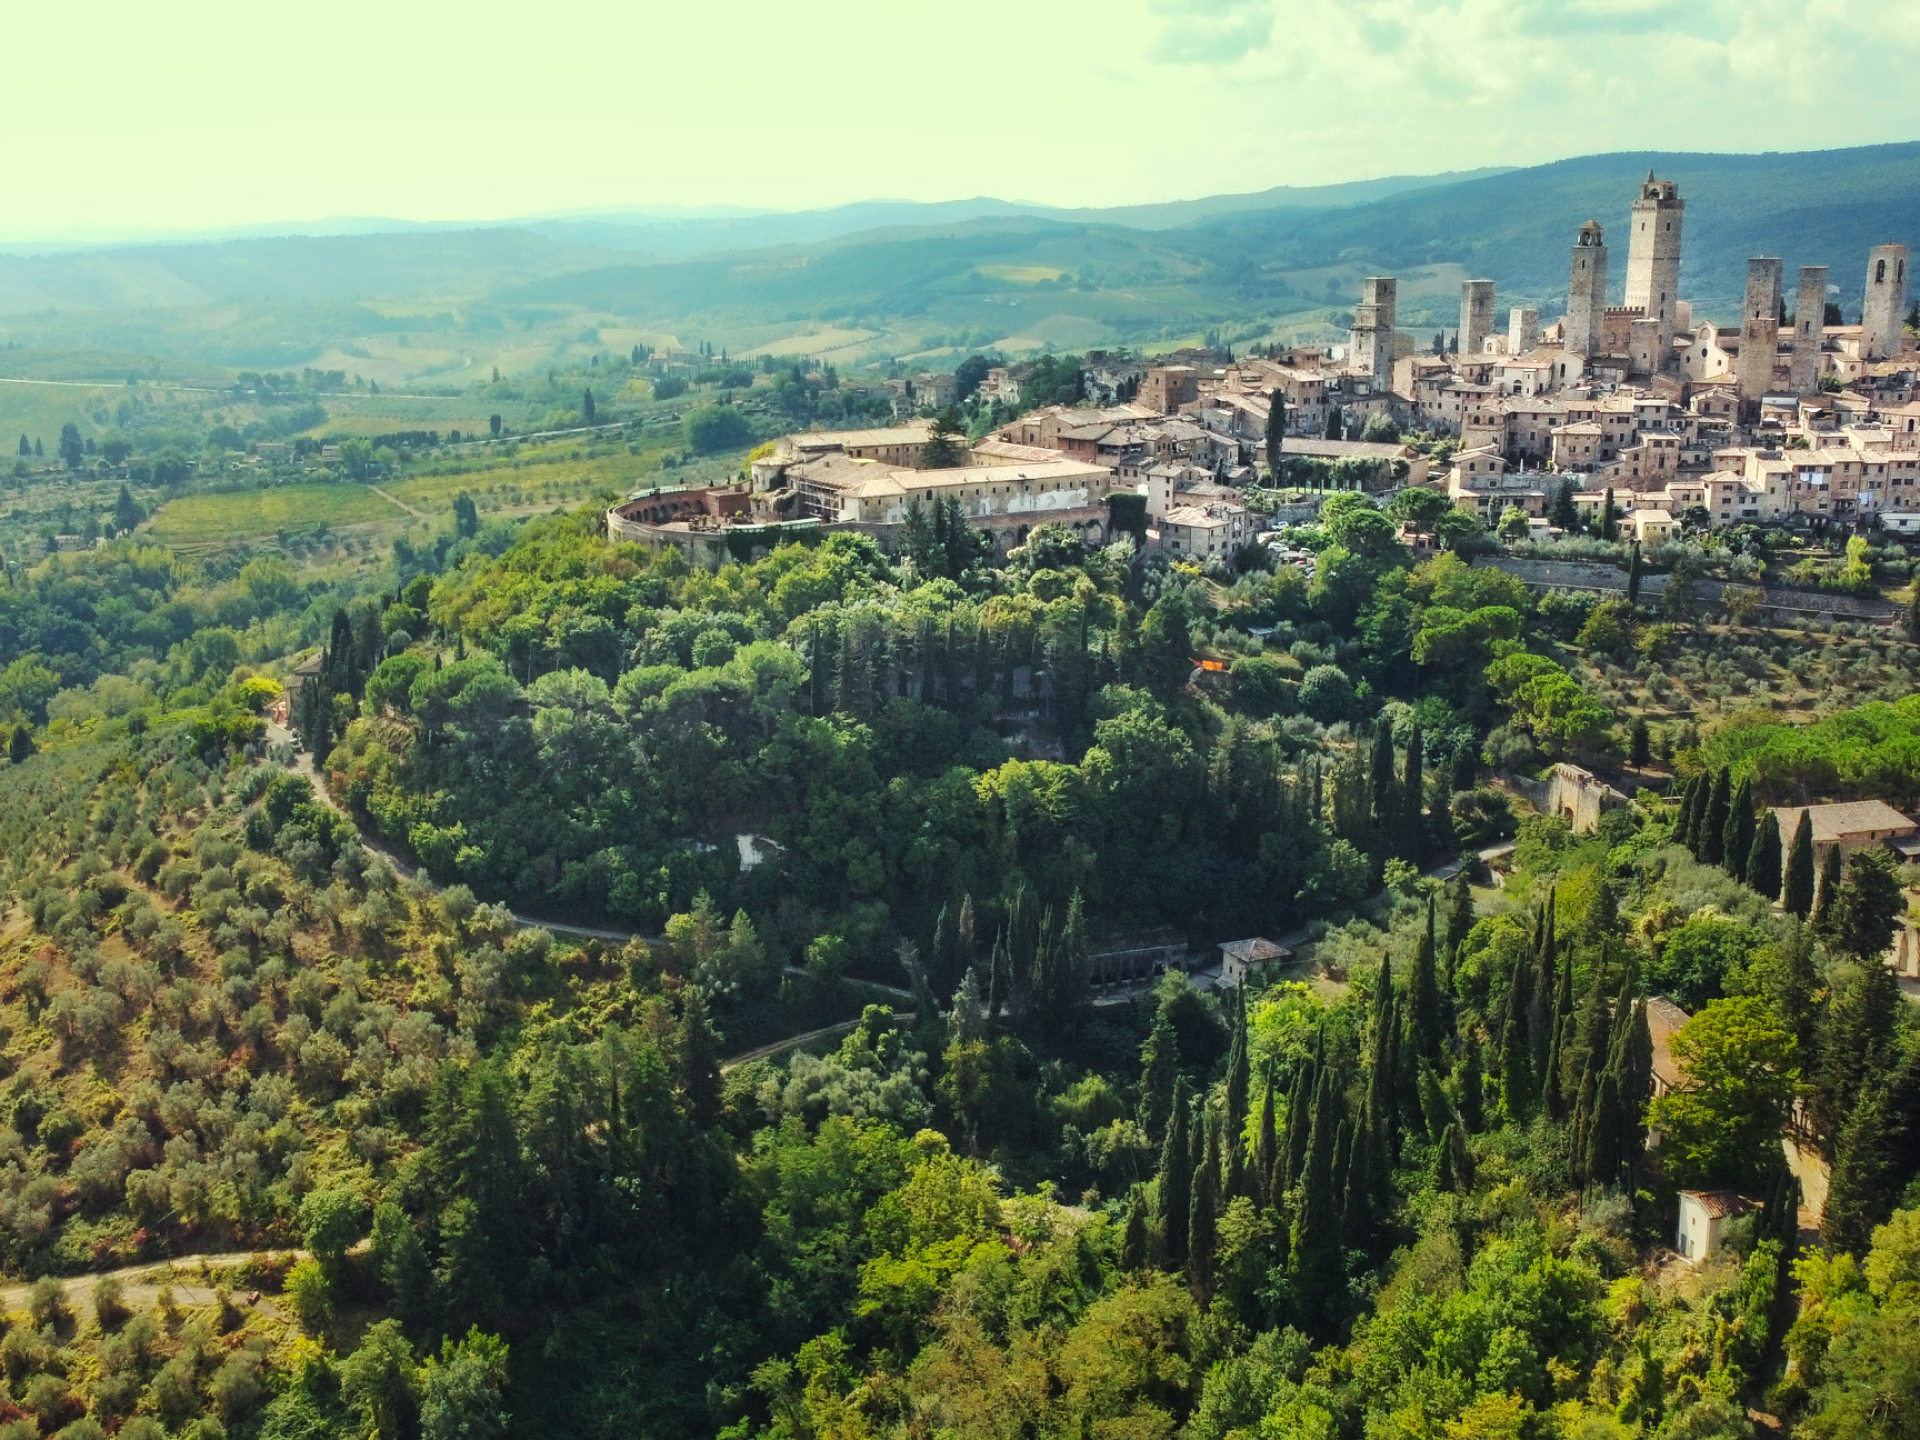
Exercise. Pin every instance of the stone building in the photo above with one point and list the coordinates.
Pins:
(1165, 388)
(1476, 315)
(1653, 255)
(1759, 330)
(1586, 289)
(1371, 338)
(1885, 305)
(1809, 329)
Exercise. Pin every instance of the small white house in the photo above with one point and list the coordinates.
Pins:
(1703, 1216)
(1901, 522)
(1240, 958)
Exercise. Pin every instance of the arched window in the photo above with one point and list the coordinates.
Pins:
(1879, 272)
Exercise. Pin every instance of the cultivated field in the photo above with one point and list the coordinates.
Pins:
(238, 515)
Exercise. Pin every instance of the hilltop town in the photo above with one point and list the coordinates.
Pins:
(1652, 421)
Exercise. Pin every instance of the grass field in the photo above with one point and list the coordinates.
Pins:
(238, 515)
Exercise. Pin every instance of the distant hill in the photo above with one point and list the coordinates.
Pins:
(931, 279)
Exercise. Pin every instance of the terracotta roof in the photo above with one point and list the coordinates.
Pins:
(1833, 823)
(1718, 1204)
(1256, 951)
(1664, 1020)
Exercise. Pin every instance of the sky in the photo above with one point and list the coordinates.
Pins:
(208, 114)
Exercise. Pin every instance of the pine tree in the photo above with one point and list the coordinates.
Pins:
(1736, 843)
(1798, 885)
(1423, 995)
(1176, 1178)
(1763, 858)
(1159, 1069)
(1829, 891)
(1713, 826)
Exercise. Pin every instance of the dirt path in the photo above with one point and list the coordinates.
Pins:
(191, 1278)
(392, 500)
(792, 1042)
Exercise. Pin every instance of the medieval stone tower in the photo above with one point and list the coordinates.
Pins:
(1653, 254)
(1523, 329)
(1886, 302)
(1586, 289)
(1476, 315)
(1809, 328)
(1371, 338)
(1759, 329)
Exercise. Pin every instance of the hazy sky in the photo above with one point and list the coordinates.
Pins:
(209, 114)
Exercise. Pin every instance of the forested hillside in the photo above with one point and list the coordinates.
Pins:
(1419, 1190)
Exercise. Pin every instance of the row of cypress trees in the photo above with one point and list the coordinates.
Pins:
(1320, 1155)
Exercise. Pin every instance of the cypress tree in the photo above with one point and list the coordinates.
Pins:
(1459, 916)
(1293, 1150)
(1443, 1177)
(1636, 1088)
(1176, 1178)
(1580, 1129)
(1516, 1063)
(1860, 1023)
(1133, 1240)
(1356, 1215)
(1736, 843)
(1411, 842)
(1201, 1236)
(1561, 1022)
(1829, 891)
(1864, 1187)
(1713, 825)
(1472, 1085)
(1542, 993)
(1423, 995)
(1342, 1158)
(1763, 858)
(1798, 897)
(1434, 1110)
(1239, 1075)
(1316, 1228)
(1601, 1162)
(1694, 813)
(1266, 1146)
(1633, 575)
(1160, 1067)
(1385, 812)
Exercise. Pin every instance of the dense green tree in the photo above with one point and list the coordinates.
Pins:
(1797, 887)
(1159, 1074)
(1175, 1196)
(1763, 858)
(1867, 906)
(1423, 995)
(1276, 433)
(1827, 896)
(1710, 841)
(1736, 837)
(1742, 1066)
(1639, 746)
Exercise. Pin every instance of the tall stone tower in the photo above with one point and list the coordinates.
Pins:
(1653, 254)
(1586, 289)
(1886, 302)
(1523, 329)
(1809, 328)
(1759, 329)
(1476, 315)
(1372, 335)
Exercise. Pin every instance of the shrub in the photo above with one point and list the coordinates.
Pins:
(310, 1293)
(47, 1304)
